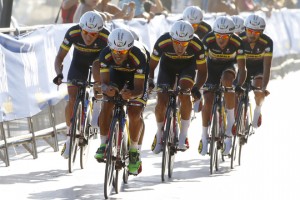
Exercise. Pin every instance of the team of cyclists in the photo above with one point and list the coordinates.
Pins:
(229, 53)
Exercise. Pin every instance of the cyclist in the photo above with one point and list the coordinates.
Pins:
(89, 37)
(179, 51)
(259, 52)
(124, 61)
(194, 15)
(223, 49)
(239, 24)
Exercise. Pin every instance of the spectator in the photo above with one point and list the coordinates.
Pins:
(152, 9)
(68, 9)
(107, 10)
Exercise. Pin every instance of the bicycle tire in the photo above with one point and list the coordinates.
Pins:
(172, 146)
(165, 156)
(84, 150)
(75, 131)
(240, 130)
(110, 159)
(125, 156)
(213, 146)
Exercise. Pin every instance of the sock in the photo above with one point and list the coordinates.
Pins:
(257, 111)
(140, 147)
(204, 133)
(68, 131)
(134, 145)
(183, 130)
(159, 131)
(230, 121)
(103, 139)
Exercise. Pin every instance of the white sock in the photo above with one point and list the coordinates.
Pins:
(68, 139)
(257, 112)
(159, 131)
(103, 139)
(134, 145)
(140, 147)
(230, 121)
(204, 133)
(183, 130)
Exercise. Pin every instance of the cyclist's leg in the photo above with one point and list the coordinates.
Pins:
(165, 77)
(227, 79)
(259, 99)
(186, 83)
(214, 76)
(135, 130)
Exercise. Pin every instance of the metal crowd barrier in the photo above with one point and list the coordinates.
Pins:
(25, 132)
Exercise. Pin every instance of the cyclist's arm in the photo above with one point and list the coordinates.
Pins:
(266, 74)
(58, 63)
(96, 70)
(153, 64)
(242, 71)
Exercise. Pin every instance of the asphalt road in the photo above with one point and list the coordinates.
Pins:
(269, 170)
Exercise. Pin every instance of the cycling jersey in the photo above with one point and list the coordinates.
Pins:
(172, 64)
(203, 29)
(220, 60)
(83, 55)
(255, 56)
(136, 66)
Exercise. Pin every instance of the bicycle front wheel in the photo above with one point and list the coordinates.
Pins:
(111, 158)
(166, 149)
(172, 146)
(240, 132)
(75, 132)
(85, 146)
(213, 150)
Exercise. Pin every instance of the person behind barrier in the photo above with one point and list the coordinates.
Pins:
(181, 52)
(123, 62)
(259, 53)
(88, 37)
(68, 9)
(223, 49)
(194, 15)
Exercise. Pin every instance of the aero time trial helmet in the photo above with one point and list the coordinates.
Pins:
(224, 25)
(239, 23)
(193, 14)
(120, 39)
(255, 22)
(91, 21)
(182, 31)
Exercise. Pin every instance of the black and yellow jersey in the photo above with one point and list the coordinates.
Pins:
(203, 29)
(255, 56)
(83, 55)
(137, 61)
(233, 51)
(164, 49)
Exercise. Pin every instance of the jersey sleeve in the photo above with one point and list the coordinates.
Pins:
(157, 51)
(269, 48)
(105, 56)
(67, 42)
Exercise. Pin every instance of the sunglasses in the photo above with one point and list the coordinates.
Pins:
(122, 52)
(183, 44)
(222, 36)
(195, 26)
(253, 32)
(93, 34)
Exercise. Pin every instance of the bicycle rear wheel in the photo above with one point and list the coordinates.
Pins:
(85, 146)
(213, 150)
(111, 158)
(75, 132)
(240, 132)
(166, 149)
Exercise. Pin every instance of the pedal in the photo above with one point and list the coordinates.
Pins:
(82, 142)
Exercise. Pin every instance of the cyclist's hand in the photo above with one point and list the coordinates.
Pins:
(239, 89)
(196, 93)
(126, 94)
(151, 84)
(97, 88)
(58, 79)
(109, 91)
